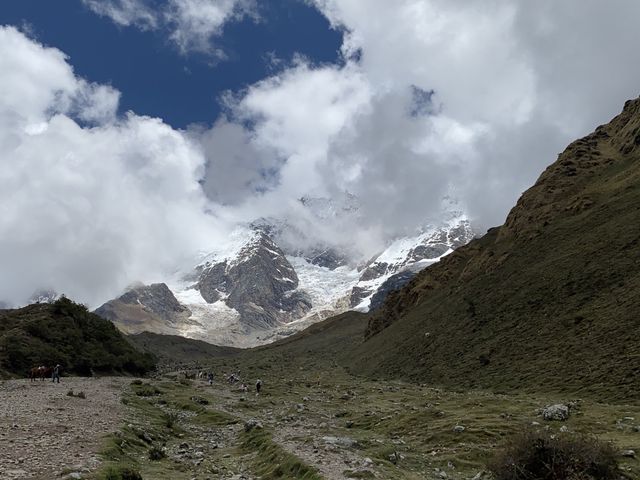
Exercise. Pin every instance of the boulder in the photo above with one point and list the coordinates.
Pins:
(557, 412)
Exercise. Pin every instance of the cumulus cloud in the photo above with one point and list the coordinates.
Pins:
(193, 25)
(126, 12)
(437, 98)
(431, 99)
(87, 209)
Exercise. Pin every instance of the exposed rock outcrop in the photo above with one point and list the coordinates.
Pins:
(145, 308)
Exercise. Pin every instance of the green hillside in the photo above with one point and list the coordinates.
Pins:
(67, 333)
(548, 301)
(171, 348)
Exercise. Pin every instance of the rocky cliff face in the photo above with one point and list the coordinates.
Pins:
(146, 308)
(405, 257)
(260, 284)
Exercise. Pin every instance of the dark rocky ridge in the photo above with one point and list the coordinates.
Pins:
(145, 308)
(392, 284)
(260, 284)
(432, 247)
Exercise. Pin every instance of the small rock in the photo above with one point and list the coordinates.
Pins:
(558, 412)
(252, 424)
(628, 453)
(564, 429)
(459, 429)
(481, 476)
(441, 473)
(340, 441)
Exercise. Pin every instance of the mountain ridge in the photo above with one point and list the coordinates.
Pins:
(547, 300)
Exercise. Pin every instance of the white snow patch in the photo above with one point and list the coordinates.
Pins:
(324, 286)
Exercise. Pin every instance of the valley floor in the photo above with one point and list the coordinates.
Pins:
(47, 434)
(304, 424)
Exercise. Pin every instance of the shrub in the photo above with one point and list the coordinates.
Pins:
(121, 473)
(156, 453)
(71, 393)
(170, 419)
(146, 390)
(536, 455)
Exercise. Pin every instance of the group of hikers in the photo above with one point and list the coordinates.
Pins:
(43, 372)
(232, 379)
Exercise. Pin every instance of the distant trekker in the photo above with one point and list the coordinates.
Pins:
(210, 378)
(56, 373)
(258, 386)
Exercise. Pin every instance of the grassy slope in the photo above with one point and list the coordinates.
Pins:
(66, 333)
(549, 301)
(321, 344)
(171, 348)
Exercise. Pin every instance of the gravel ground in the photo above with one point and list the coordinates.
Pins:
(46, 434)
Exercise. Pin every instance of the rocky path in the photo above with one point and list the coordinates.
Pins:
(46, 434)
(301, 426)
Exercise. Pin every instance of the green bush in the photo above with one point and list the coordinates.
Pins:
(65, 332)
(534, 455)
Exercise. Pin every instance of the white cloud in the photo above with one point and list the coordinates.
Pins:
(513, 82)
(126, 12)
(193, 25)
(88, 210)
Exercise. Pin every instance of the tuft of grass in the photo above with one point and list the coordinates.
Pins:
(71, 393)
(156, 453)
(272, 462)
(146, 390)
(358, 474)
(120, 472)
(534, 455)
(170, 419)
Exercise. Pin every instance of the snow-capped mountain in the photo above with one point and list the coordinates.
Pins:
(261, 285)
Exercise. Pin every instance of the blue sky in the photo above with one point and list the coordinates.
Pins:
(154, 77)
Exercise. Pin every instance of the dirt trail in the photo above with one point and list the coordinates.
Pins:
(297, 427)
(46, 434)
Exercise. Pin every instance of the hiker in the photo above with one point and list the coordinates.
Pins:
(258, 386)
(210, 378)
(244, 388)
(56, 373)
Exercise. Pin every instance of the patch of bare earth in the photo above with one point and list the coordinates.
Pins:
(46, 434)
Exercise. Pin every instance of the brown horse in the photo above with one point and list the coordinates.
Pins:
(40, 372)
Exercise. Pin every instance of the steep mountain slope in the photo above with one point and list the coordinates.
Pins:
(65, 332)
(549, 300)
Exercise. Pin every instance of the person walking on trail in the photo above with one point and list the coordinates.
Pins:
(55, 376)
(258, 386)
(210, 378)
